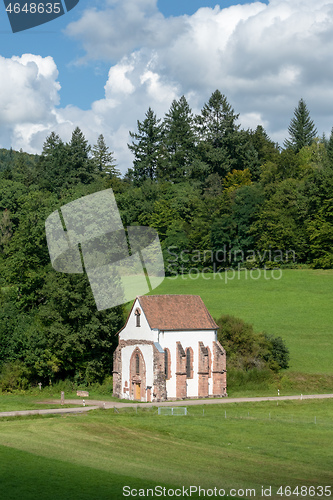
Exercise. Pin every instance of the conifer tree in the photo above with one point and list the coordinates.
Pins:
(217, 119)
(329, 148)
(146, 148)
(218, 134)
(51, 168)
(302, 130)
(179, 140)
(103, 158)
(81, 167)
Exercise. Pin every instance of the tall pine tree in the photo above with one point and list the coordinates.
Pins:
(179, 140)
(302, 130)
(217, 130)
(81, 167)
(51, 169)
(103, 158)
(217, 120)
(146, 147)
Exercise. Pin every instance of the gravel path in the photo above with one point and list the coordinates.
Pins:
(92, 404)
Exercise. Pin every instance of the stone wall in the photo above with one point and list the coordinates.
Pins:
(155, 393)
(117, 373)
(181, 391)
(219, 370)
(203, 371)
(159, 389)
(211, 364)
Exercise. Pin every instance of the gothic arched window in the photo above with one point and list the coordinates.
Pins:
(188, 363)
(137, 315)
(167, 364)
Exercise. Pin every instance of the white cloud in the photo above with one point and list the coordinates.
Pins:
(121, 27)
(118, 81)
(264, 58)
(29, 89)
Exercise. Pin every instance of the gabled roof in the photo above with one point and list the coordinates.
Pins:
(176, 312)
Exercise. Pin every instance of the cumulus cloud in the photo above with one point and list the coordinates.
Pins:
(122, 27)
(30, 89)
(263, 57)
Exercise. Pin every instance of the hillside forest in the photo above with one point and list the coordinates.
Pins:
(218, 195)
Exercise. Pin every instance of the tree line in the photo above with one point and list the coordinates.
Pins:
(208, 187)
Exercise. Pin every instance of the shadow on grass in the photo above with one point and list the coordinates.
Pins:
(31, 477)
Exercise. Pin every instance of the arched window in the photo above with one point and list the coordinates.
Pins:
(188, 363)
(167, 364)
(137, 364)
(209, 363)
(137, 315)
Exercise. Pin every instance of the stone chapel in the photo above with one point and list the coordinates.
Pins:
(168, 349)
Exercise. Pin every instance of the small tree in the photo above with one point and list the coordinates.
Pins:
(103, 158)
(302, 130)
(279, 353)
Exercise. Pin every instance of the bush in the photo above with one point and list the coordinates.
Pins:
(250, 380)
(14, 375)
(247, 350)
(279, 353)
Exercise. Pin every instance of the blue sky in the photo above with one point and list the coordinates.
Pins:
(101, 65)
(50, 40)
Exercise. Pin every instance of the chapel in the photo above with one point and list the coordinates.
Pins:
(167, 350)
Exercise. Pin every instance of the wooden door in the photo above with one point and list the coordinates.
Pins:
(137, 394)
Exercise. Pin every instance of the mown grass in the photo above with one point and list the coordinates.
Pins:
(20, 400)
(93, 456)
(35, 399)
(296, 307)
(244, 446)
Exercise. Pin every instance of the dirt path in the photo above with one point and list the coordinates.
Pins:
(92, 404)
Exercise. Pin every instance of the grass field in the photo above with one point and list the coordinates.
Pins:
(296, 307)
(234, 446)
(244, 447)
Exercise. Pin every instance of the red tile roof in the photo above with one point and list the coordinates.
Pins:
(176, 312)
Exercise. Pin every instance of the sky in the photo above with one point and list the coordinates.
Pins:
(104, 63)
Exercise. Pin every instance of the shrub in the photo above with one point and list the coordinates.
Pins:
(14, 375)
(248, 350)
(279, 353)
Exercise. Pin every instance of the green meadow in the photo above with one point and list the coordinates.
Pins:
(283, 448)
(294, 304)
(234, 447)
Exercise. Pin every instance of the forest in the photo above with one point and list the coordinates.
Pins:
(218, 195)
